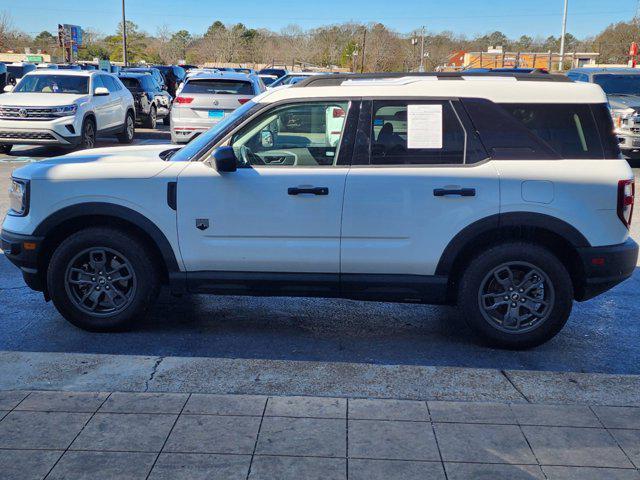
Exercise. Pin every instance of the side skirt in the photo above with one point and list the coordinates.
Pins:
(373, 287)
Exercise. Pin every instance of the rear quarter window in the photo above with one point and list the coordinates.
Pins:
(218, 87)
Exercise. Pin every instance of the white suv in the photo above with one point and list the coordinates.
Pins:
(66, 108)
(504, 195)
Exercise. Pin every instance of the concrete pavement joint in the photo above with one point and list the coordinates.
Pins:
(504, 373)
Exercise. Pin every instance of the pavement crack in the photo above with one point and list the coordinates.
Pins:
(153, 373)
(504, 374)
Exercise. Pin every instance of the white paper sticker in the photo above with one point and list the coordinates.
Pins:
(424, 126)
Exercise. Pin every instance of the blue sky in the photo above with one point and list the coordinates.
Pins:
(514, 18)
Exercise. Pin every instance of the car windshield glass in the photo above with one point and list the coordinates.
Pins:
(619, 84)
(218, 87)
(189, 151)
(54, 84)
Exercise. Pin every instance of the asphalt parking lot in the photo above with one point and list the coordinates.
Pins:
(601, 335)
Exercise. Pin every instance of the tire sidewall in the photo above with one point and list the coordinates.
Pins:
(542, 259)
(127, 245)
(85, 124)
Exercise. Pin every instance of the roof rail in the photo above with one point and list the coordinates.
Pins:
(337, 79)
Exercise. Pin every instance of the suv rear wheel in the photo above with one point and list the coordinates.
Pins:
(129, 129)
(152, 118)
(516, 295)
(101, 279)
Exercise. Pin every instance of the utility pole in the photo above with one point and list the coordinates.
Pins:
(364, 44)
(564, 33)
(124, 36)
(421, 69)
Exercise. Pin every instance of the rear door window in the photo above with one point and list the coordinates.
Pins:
(390, 136)
(218, 87)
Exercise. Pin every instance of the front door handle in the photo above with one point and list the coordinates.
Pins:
(461, 192)
(308, 190)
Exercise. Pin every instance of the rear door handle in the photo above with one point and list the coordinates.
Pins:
(461, 192)
(308, 190)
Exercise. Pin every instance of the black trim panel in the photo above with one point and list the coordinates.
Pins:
(117, 211)
(374, 287)
(510, 219)
(264, 283)
(605, 267)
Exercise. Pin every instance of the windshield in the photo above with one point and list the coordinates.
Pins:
(619, 84)
(218, 87)
(130, 83)
(54, 84)
(190, 150)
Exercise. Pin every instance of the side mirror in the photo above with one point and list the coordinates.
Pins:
(266, 139)
(8, 88)
(224, 159)
(100, 92)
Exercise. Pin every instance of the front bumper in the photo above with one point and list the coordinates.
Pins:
(605, 267)
(61, 131)
(22, 251)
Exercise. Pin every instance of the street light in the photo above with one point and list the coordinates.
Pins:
(124, 36)
(564, 34)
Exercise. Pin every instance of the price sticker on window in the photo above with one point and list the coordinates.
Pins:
(424, 126)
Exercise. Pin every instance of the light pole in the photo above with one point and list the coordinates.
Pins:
(421, 69)
(124, 36)
(564, 33)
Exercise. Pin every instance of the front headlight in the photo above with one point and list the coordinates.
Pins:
(19, 197)
(65, 111)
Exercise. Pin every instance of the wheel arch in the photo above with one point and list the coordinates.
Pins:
(558, 236)
(59, 225)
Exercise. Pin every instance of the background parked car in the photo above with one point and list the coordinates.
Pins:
(208, 97)
(47, 66)
(18, 70)
(153, 71)
(278, 72)
(268, 79)
(68, 66)
(151, 101)
(173, 77)
(622, 86)
(293, 77)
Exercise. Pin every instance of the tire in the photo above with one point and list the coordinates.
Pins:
(129, 129)
(88, 134)
(488, 293)
(80, 279)
(152, 119)
(5, 148)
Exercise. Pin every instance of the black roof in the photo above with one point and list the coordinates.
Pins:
(337, 79)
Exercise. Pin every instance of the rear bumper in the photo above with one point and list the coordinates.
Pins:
(22, 251)
(605, 267)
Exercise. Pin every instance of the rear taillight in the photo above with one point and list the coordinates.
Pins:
(626, 194)
(242, 101)
(184, 99)
(338, 113)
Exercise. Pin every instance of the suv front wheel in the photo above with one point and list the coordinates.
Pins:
(101, 279)
(516, 295)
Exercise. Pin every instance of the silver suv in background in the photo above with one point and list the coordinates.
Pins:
(622, 86)
(208, 97)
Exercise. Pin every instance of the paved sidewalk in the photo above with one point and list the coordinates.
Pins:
(95, 435)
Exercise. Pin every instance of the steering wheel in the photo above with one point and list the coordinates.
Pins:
(250, 158)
